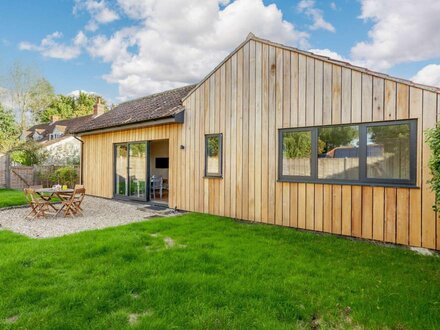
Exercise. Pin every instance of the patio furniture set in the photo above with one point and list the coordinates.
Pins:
(44, 201)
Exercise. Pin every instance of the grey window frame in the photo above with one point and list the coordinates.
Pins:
(127, 197)
(363, 179)
(220, 173)
(313, 160)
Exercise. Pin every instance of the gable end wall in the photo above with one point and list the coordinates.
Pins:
(262, 88)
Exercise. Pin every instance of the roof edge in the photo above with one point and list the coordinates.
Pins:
(54, 124)
(154, 94)
(251, 36)
(177, 118)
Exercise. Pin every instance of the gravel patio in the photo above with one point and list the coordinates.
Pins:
(98, 213)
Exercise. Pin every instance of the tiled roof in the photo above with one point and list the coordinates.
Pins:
(156, 106)
(65, 126)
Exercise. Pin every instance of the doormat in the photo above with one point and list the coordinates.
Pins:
(155, 207)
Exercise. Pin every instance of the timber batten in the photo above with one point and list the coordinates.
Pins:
(263, 87)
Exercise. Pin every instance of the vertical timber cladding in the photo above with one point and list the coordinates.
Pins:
(263, 87)
(98, 157)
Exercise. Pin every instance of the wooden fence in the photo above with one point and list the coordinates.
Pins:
(388, 166)
(18, 177)
(4, 164)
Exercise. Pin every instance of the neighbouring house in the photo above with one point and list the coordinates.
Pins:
(281, 136)
(57, 139)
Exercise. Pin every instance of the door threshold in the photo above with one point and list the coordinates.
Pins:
(158, 204)
(127, 199)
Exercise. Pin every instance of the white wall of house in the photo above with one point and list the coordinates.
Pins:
(64, 152)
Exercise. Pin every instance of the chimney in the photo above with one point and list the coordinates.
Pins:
(55, 118)
(98, 108)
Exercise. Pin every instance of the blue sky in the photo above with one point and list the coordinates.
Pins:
(129, 48)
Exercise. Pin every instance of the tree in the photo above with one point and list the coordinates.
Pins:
(28, 153)
(29, 92)
(297, 144)
(67, 107)
(334, 137)
(9, 130)
(392, 137)
(61, 105)
(41, 95)
(213, 146)
(84, 104)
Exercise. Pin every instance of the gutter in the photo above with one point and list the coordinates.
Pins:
(81, 166)
(177, 118)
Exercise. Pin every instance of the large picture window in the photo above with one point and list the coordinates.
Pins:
(213, 155)
(382, 153)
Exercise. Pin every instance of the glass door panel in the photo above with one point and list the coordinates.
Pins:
(121, 170)
(138, 170)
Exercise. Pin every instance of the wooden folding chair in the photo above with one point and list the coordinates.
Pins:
(72, 206)
(38, 206)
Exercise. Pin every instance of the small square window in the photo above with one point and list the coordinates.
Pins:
(213, 155)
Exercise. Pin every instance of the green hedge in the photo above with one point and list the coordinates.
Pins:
(433, 140)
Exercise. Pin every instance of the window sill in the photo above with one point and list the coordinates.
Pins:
(351, 183)
(213, 176)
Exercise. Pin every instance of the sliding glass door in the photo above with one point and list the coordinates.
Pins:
(131, 168)
(137, 170)
(121, 167)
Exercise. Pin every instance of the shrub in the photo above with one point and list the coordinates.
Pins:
(297, 144)
(433, 140)
(66, 175)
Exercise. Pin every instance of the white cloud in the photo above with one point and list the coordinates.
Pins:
(50, 47)
(99, 12)
(428, 75)
(178, 42)
(329, 53)
(308, 7)
(402, 31)
(168, 43)
(77, 92)
(333, 6)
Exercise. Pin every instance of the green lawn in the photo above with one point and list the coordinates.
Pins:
(220, 274)
(10, 197)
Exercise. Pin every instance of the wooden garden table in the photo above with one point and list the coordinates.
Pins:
(48, 194)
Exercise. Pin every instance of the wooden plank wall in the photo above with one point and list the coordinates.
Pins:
(258, 90)
(98, 157)
(262, 88)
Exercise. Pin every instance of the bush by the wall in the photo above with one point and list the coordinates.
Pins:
(66, 175)
(433, 140)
